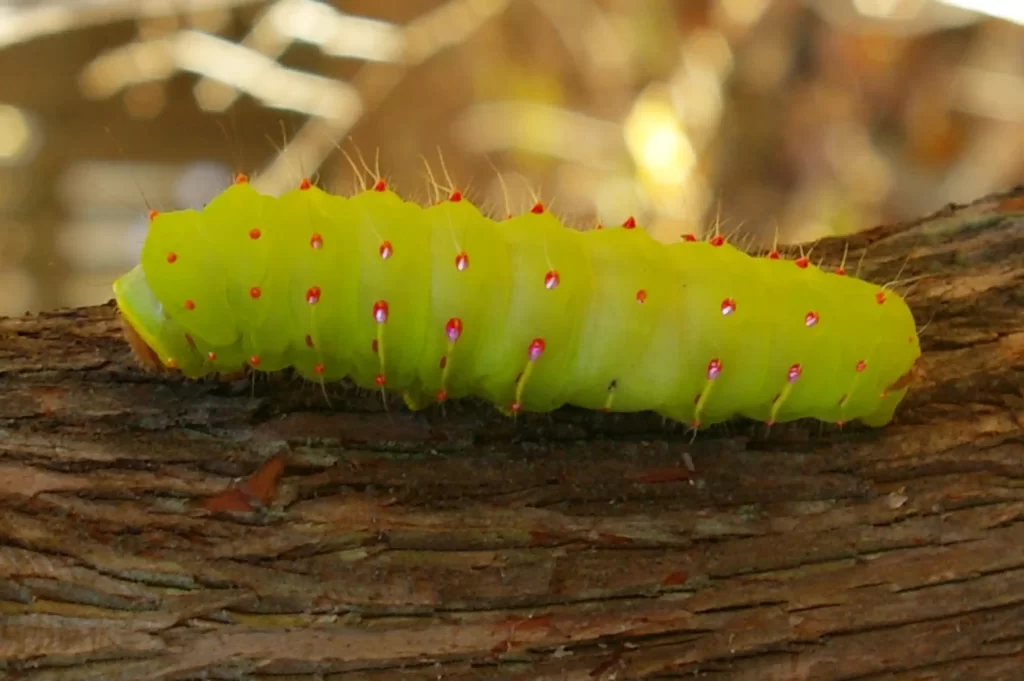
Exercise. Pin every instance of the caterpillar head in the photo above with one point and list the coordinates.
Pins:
(155, 340)
(141, 318)
(144, 355)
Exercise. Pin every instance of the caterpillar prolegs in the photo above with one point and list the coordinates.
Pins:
(441, 302)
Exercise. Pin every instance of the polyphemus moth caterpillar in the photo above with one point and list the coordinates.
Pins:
(442, 302)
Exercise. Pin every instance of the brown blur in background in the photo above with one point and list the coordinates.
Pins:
(798, 117)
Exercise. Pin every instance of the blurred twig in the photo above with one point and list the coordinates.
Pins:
(39, 19)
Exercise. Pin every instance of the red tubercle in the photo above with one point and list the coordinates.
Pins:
(641, 296)
(255, 233)
(880, 297)
(380, 311)
(241, 178)
(171, 363)
(861, 366)
(841, 271)
(305, 184)
(190, 305)
(599, 226)
(453, 329)
(455, 196)
(442, 395)
(313, 295)
(380, 185)
(714, 368)
(802, 262)
(319, 369)
(309, 341)
(811, 318)
(537, 347)
(172, 258)
(153, 213)
(552, 280)
(380, 380)
(254, 360)
(316, 242)
(630, 223)
(538, 208)
(690, 237)
(255, 292)
(794, 373)
(516, 406)
(385, 250)
(717, 240)
(212, 356)
(774, 255)
(462, 261)
(728, 306)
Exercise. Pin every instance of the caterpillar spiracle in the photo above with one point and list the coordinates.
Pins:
(442, 302)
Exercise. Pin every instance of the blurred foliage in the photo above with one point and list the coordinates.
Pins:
(792, 119)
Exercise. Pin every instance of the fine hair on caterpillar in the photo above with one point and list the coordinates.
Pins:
(441, 302)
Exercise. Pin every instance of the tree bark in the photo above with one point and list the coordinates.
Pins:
(373, 544)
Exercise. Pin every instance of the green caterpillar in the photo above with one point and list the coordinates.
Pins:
(441, 302)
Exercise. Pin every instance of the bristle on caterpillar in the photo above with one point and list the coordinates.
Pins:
(441, 302)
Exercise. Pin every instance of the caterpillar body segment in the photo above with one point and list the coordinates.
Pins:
(442, 302)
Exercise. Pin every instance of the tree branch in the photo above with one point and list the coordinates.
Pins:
(152, 528)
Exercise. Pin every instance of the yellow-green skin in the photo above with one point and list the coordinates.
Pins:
(630, 325)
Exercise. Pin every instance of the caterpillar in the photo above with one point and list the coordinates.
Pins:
(441, 302)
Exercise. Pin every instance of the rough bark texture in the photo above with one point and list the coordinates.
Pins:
(463, 546)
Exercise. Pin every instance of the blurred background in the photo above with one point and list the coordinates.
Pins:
(800, 118)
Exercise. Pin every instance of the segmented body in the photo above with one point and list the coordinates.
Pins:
(441, 302)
